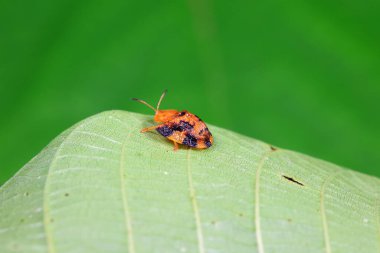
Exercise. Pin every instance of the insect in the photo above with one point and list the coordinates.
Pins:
(181, 127)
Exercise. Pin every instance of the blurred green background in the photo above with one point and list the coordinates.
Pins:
(302, 75)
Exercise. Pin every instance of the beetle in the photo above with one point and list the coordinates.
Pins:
(181, 127)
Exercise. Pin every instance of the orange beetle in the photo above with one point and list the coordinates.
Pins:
(180, 127)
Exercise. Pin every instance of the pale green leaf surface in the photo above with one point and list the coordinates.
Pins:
(102, 186)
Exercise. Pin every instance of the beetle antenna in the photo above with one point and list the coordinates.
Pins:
(145, 103)
(162, 96)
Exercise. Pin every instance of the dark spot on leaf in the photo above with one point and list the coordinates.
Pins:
(27, 194)
(213, 222)
(273, 148)
(292, 180)
(51, 220)
(165, 130)
(190, 140)
(22, 220)
(241, 215)
(66, 194)
(289, 220)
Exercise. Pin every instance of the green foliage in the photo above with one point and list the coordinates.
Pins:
(300, 74)
(102, 186)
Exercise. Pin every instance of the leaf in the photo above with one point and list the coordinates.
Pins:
(102, 186)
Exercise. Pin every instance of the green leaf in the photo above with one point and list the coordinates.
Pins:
(102, 186)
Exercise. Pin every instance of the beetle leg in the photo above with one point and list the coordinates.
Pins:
(175, 146)
(149, 128)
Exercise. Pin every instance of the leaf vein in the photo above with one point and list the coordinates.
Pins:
(45, 204)
(194, 203)
(100, 136)
(377, 213)
(259, 237)
(323, 211)
(127, 215)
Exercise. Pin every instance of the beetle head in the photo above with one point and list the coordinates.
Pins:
(160, 115)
